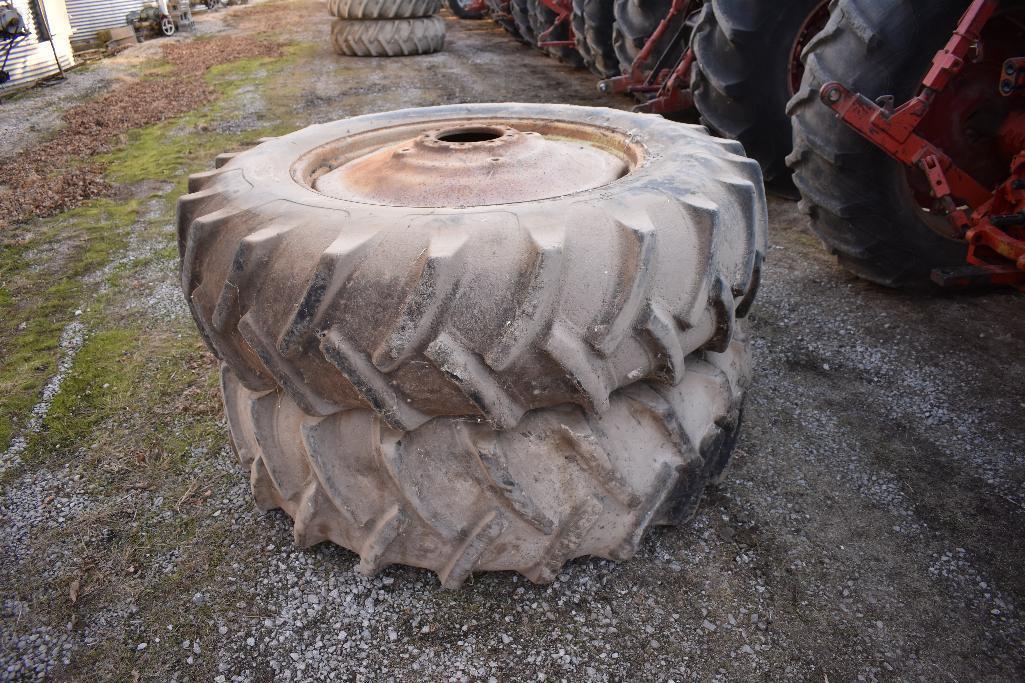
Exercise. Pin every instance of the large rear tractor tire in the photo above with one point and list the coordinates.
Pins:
(593, 22)
(383, 9)
(747, 66)
(455, 496)
(358, 264)
(501, 13)
(520, 11)
(636, 20)
(388, 37)
(542, 20)
(863, 205)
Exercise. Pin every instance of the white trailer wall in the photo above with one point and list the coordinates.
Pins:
(32, 58)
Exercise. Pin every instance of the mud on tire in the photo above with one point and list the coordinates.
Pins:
(388, 37)
(487, 311)
(454, 496)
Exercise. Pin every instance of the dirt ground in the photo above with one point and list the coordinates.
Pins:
(871, 528)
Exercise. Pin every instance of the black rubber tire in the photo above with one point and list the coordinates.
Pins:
(501, 13)
(455, 496)
(383, 9)
(593, 22)
(857, 197)
(635, 21)
(388, 37)
(741, 77)
(541, 19)
(458, 10)
(520, 11)
(483, 311)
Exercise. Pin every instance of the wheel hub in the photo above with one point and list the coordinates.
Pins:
(473, 164)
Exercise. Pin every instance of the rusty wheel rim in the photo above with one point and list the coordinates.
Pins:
(468, 163)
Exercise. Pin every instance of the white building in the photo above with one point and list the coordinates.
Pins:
(36, 56)
(90, 16)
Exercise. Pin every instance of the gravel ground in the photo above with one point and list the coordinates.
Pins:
(870, 528)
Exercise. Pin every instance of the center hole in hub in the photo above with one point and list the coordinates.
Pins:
(470, 134)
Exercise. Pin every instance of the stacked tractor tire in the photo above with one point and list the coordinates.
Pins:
(479, 337)
(755, 71)
(386, 28)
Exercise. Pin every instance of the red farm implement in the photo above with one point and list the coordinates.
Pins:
(958, 162)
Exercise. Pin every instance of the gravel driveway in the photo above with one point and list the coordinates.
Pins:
(871, 527)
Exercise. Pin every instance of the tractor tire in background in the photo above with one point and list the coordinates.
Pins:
(383, 9)
(747, 67)
(635, 21)
(521, 295)
(458, 8)
(541, 20)
(593, 22)
(388, 37)
(860, 201)
(520, 11)
(501, 13)
(454, 496)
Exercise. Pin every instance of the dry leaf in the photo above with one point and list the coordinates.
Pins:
(73, 591)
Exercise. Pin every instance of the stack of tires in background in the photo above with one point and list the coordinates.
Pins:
(386, 28)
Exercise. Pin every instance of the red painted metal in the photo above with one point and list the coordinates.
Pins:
(564, 11)
(985, 218)
(813, 23)
(670, 86)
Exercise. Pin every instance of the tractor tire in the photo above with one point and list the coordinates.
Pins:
(541, 20)
(456, 497)
(501, 13)
(388, 37)
(859, 200)
(593, 21)
(519, 299)
(636, 20)
(457, 8)
(742, 78)
(520, 11)
(383, 9)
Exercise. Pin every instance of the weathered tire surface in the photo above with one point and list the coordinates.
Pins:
(541, 19)
(741, 79)
(501, 13)
(456, 497)
(388, 37)
(593, 21)
(383, 9)
(486, 311)
(858, 197)
(520, 10)
(636, 20)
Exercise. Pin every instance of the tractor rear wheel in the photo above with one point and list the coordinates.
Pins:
(747, 66)
(388, 37)
(520, 10)
(455, 496)
(543, 20)
(636, 20)
(874, 213)
(501, 13)
(593, 22)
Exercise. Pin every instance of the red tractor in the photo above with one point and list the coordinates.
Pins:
(902, 122)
